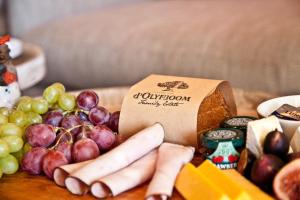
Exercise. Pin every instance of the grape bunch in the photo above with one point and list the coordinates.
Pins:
(70, 129)
(13, 122)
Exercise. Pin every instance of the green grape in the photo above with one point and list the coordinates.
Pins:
(9, 164)
(4, 148)
(39, 106)
(10, 129)
(5, 111)
(24, 104)
(26, 147)
(66, 102)
(18, 155)
(59, 87)
(51, 94)
(18, 117)
(3, 119)
(33, 118)
(14, 143)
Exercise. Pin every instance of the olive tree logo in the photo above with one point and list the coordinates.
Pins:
(173, 84)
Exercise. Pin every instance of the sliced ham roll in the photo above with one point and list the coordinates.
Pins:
(123, 155)
(127, 178)
(61, 173)
(171, 158)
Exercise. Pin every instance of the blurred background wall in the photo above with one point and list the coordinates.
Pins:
(2, 18)
(101, 43)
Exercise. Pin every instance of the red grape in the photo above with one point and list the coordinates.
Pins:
(85, 149)
(113, 122)
(66, 149)
(87, 100)
(80, 135)
(32, 160)
(63, 135)
(52, 160)
(103, 136)
(99, 115)
(40, 135)
(82, 116)
(70, 121)
(53, 118)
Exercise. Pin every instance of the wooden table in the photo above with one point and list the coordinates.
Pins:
(22, 186)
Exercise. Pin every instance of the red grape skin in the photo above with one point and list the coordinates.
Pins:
(52, 160)
(87, 100)
(113, 122)
(103, 136)
(71, 121)
(99, 115)
(82, 116)
(32, 160)
(53, 118)
(85, 149)
(40, 135)
(66, 149)
(64, 138)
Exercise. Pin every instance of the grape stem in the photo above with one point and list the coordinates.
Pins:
(66, 131)
(80, 110)
(84, 130)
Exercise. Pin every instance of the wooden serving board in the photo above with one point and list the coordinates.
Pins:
(21, 186)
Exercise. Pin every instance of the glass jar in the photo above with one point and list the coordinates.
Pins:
(238, 122)
(223, 146)
(9, 87)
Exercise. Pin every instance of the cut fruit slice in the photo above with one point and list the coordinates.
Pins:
(286, 184)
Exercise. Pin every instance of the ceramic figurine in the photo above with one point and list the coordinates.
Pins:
(9, 87)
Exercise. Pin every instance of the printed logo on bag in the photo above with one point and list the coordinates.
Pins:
(173, 84)
(166, 97)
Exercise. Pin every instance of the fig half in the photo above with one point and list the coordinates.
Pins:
(286, 183)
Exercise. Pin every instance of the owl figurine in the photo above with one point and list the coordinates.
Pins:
(9, 87)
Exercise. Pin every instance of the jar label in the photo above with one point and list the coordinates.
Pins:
(225, 156)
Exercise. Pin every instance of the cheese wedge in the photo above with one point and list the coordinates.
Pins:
(250, 188)
(257, 131)
(194, 185)
(233, 189)
(295, 141)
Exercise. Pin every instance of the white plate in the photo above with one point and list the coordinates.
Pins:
(266, 108)
(31, 66)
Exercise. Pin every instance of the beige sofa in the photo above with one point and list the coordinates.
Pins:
(254, 44)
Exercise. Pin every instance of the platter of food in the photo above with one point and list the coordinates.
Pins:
(147, 142)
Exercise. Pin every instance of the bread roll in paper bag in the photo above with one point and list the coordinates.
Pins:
(186, 107)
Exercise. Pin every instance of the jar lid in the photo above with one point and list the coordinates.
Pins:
(212, 138)
(238, 122)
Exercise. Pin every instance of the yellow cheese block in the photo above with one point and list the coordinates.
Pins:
(194, 185)
(232, 188)
(251, 189)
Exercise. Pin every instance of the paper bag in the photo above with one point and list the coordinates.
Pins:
(186, 107)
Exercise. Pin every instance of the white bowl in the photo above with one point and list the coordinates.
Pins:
(266, 108)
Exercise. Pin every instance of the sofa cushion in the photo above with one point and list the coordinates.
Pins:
(253, 44)
(27, 14)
